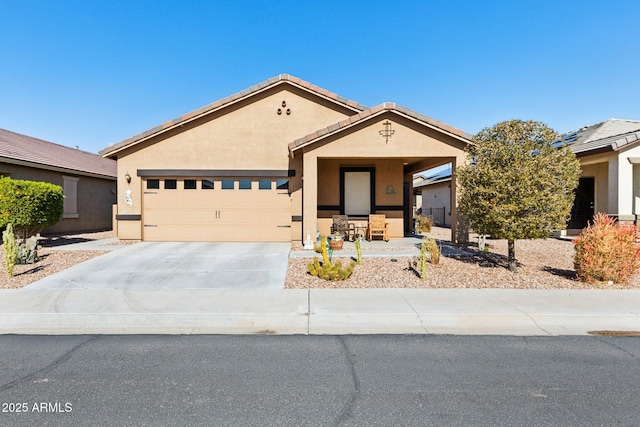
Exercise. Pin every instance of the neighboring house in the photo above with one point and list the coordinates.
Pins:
(418, 180)
(88, 180)
(609, 154)
(274, 163)
(435, 191)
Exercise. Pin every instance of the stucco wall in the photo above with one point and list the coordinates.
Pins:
(247, 136)
(95, 198)
(628, 189)
(600, 173)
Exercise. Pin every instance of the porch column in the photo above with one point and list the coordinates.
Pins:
(613, 186)
(625, 187)
(459, 227)
(310, 196)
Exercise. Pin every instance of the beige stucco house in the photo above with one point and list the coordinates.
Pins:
(274, 163)
(88, 180)
(609, 154)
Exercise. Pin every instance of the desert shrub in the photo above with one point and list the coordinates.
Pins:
(433, 249)
(423, 224)
(605, 251)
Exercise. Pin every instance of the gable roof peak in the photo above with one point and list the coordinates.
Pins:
(232, 99)
(374, 112)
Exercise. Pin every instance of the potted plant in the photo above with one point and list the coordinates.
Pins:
(337, 240)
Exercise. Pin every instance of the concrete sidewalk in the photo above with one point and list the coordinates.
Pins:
(320, 311)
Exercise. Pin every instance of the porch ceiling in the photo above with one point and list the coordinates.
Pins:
(414, 165)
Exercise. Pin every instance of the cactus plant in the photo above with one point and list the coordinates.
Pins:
(326, 270)
(358, 251)
(10, 249)
(28, 251)
(423, 260)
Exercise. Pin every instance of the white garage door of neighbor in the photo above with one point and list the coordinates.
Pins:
(216, 209)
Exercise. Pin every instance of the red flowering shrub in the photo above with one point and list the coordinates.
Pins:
(606, 251)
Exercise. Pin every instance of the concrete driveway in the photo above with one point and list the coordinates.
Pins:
(178, 265)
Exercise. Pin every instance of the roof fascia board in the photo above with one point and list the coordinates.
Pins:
(54, 168)
(325, 133)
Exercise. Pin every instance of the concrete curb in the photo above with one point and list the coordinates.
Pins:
(318, 311)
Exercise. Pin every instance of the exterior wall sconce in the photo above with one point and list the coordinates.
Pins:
(127, 177)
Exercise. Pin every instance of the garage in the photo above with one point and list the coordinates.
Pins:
(223, 209)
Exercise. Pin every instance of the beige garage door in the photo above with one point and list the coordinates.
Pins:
(216, 209)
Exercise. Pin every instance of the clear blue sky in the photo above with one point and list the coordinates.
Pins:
(91, 73)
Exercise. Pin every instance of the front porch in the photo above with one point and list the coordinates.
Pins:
(357, 188)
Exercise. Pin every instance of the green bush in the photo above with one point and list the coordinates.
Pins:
(29, 205)
(605, 251)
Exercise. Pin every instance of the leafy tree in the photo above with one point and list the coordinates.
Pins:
(517, 185)
(29, 205)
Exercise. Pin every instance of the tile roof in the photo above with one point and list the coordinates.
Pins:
(47, 155)
(612, 134)
(375, 111)
(282, 78)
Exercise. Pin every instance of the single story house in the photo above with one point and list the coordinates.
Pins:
(88, 180)
(435, 195)
(275, 162)
(609, 154)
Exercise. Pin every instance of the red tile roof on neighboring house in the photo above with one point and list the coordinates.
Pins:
(281, 79)
(16, 148)
(376, 111)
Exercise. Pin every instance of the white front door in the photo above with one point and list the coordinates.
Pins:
(357, 193)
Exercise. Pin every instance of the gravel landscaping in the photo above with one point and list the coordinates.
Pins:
(543, 264)
(50, 261)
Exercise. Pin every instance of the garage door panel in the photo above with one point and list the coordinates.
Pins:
(216, 215)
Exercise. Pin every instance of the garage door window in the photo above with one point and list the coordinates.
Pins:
(282, 184)
(227, 184)
(189, 184)
(207, 184)
(244, 184)
(264, 184)
(153, 184)
(170, 184)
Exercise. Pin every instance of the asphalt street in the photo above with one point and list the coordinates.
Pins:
(318, 380)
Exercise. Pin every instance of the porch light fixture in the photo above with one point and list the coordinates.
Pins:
(127, 177)
(387, 131)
